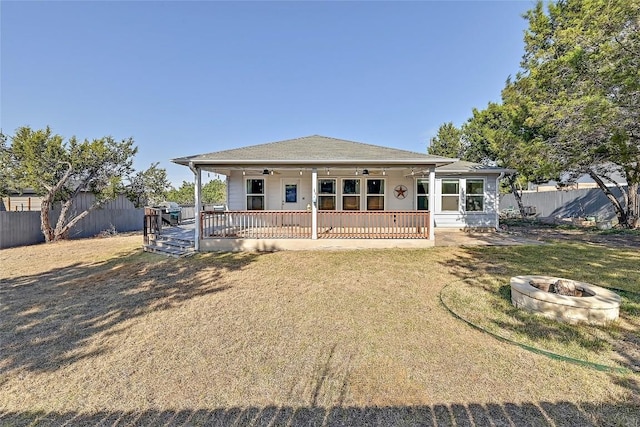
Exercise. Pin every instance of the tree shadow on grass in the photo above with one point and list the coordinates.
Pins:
(490, 269)
(458, 414)
(49, 319)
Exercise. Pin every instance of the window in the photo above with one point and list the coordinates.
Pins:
(450, 194)
(291, 193)
(350, 194)
(474, 196)
(255, 194)
(327, 197)
(422, 194)
(375, 194)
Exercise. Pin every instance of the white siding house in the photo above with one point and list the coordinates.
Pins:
(467, 195)
(314, 191)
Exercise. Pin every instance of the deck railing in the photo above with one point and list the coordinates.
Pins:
(373, 225)
(152, 224)
(256, 224)
(331, 225)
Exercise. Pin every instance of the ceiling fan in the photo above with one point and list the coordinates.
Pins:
(374, 172)
(262, 171)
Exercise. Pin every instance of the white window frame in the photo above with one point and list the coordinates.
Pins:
(425, 195)
(483, 195)
(383, 194)
(334, 194)
(263, 194)
(342, 194)
(450, 195)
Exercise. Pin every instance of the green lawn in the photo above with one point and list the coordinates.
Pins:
(484, 299)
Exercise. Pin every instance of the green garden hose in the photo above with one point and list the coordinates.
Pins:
(597, 366)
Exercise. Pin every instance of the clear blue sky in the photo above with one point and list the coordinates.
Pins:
(186, 78)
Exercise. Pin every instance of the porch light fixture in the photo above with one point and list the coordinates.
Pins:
(300, 172)
(328, 172)
(265, 172)
(356, 171)
(271, 172)
(384, 171)
(365, 171)
(243, 172)
(412, 172)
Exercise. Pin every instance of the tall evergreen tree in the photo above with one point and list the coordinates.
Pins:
(447, 143)
(581, 75)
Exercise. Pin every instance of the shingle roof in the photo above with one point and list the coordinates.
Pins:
(314, 149)
(462, 166)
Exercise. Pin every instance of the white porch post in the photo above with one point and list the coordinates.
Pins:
(314, 204)
(198, 208)
(497, 200)
(432, 203)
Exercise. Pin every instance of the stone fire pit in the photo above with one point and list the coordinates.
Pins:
(565, 300)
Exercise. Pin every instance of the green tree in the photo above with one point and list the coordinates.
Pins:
(183, 195)
(447, 143)
(581, 75)
(214, 191)
(59, 171)
(148, 187)
(5, 159)
(499, 136)
(481, 132)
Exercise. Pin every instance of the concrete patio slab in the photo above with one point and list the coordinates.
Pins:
(186, 231)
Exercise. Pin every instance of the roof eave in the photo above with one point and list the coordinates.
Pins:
(478, 171)
(350, 162)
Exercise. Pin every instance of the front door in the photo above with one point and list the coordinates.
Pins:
(291, 195)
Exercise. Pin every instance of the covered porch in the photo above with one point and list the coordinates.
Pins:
(313, 190)
(302, 205)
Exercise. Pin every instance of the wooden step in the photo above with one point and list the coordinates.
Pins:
(168, 251)
(170, 246)
(185, 245)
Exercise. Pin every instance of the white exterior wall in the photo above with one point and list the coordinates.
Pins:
(462, 219)
(274, 189)
(236, 191)
(393, 179)
(274, 194)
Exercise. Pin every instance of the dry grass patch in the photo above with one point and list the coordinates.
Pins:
(289, 337)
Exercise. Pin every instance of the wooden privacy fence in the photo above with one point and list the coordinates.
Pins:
(189, 212)
(565, 204)
(23, 228)
(331, 224)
